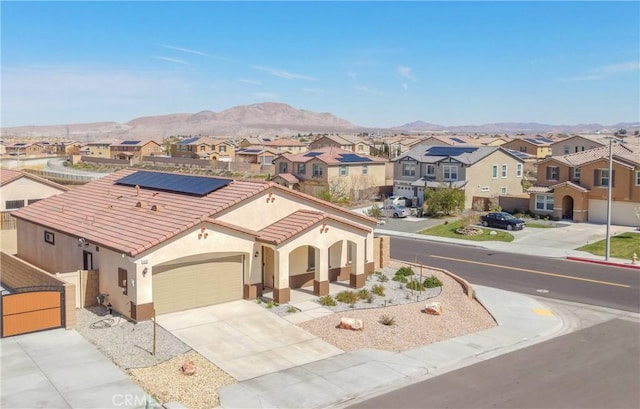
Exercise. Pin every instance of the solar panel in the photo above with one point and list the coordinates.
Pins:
(546, 140)
(351, 157)
(129, 142)
(533, 141)
(188, 140)
(450, 150)
(312, 154)
(250, 150)
(457, 140)
(518, 153)
(171, 182)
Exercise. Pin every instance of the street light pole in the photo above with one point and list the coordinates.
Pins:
(607, 245)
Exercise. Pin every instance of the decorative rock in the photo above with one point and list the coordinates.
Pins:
(351, 323)
(433, 308)
(493, 232)
(188, 368)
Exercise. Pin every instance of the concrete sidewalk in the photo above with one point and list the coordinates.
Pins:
(522, 321)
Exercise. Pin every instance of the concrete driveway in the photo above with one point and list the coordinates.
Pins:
(246, 340)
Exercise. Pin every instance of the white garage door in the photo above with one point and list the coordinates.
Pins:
(622, 213)
(183, 286)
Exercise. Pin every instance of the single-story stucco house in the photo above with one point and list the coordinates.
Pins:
(165, 242)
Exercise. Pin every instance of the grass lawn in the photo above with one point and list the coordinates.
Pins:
(622, 246)
(449, 230)
(535, 225)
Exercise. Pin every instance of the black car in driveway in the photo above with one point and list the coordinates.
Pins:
(502, 220)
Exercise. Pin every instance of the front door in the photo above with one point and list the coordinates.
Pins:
(87, 260)
(267, 267)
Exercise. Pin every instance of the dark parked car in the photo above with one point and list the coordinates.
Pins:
(502, 220)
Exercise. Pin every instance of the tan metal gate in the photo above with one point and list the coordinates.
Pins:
(32, 309)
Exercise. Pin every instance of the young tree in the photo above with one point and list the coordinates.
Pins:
(444, 200)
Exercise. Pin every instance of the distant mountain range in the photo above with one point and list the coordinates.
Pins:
(270, 119)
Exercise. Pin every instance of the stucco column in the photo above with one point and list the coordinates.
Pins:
(281, 291)
(358, 277)
(321, 279)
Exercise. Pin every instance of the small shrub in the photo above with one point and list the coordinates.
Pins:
(415, 285)
(378, 290)
(400, 278)
(270, 304)
(364, 294)
(383, 278)
(327, 301)
(291, 310)
(258, 301)
(370, 298)
(387, 320)
(375, 211)
(347, 297)
(404, 271)
(432, 282)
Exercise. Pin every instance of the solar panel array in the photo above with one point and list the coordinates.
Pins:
(458, 140)
(351, 157)
(188, 141)
(517, 153)
(249, 150)
(312, 154)
(533, 141)
(129, 142)
(449, 150)
(546, 140)
(171, 182)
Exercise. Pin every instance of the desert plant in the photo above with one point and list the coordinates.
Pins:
(387, 320)
(400, 278)
(291, 310)
(258, 301)
(347, 297)
(375, 211)
(327, 301)
(415, 285)
(432, 282)
(363, 294)
(383, 278)
(378, 289)
(404, 271)
(270, 304)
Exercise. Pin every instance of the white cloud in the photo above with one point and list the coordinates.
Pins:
(623, 67)
(405, 86)
(283, 74)
(186, 50)
(367, 90)
(252, 82)
(406, 72)
(174, 60)
(313, 90)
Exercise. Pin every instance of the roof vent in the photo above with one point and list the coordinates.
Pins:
(139, 204)
(154, 208)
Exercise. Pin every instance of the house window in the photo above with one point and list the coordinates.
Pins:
(311, 258)
(579, 148)
(122, 280)
(503, 190)
(553, 173)
(344, 171)
(484, 189)
(519, 170)
(408, 169)
(450, 172)
(301, 169)
(494, 172)
(283, 167)
(49, 237)
(360, 148)
(31, 201)
(365, 169)
(576, 174)
(544, 202)
(566, 149)
(203, 148)
(601, 178)
(350, 252)
(222, 148)
(503, 172)
(317, 171)
(637, 177)
(13, 204)
(431, 170)
(523, 149)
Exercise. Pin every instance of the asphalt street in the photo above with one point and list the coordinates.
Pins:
(588, 368)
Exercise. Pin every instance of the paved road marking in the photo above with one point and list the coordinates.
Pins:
(543, 311)
(534, 271)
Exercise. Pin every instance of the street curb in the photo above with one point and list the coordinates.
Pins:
(606, 263)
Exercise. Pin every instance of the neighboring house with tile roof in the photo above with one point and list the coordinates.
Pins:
(258, 154)
(330, 167)
(575, 186)
(539, 146)
(347, 142)
(578, 143)
(100, 148)
(26, 149)
(168, 241)
(482, 171)
(134, 150)
(203, 147)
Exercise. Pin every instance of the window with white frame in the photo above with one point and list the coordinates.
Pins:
(503, 171)
(408, 169)
(503, 190)
(360, 148)
(576, 174)
(365, 169)
(317, 170)
(518, 170)
(222, 148)
(553, 173)
(311, 258)
(637, 177)
(484, 189)
(450, 172)
(282, 167)
(601, 178)
(566, 149)
(431, 170)
(494, 172)
(301, 169)
(544, 202)
(344, 170)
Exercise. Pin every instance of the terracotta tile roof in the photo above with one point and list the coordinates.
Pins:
(624, 152)
(297, 222)
(330, 156)
(288, 177)
(539, 189)
(283, 142)
(569, 184)
(8, 175)
(106, 213)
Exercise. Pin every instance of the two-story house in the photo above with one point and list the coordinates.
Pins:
(25, 149)
(482, 171)
(347, 142)
(257, 154)
(538, 146)
(203, 147)
(134, 150)
(317, 169)
(99, 148)
(575, 186)
(577, 143)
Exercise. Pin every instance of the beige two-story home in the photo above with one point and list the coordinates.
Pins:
(134, 150)
(100, 148)
(347, 142)
(164, 242)
(330, 167)
(538, 146)
(575, 186)
(203, 147)
(482, 171)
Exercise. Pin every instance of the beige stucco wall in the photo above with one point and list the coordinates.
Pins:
(26, 189)
(558, 148)
(376, 175)
(480, 175)
(101, 151)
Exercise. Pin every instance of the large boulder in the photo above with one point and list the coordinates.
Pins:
(433, 308)
(351, 323)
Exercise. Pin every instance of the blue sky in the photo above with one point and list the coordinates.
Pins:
(376, 64)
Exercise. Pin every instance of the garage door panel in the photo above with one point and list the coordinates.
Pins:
(185, 286)
(622, 213)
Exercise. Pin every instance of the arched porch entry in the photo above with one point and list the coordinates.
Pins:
(567, 207)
